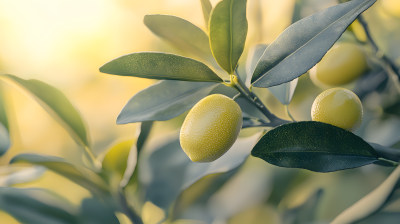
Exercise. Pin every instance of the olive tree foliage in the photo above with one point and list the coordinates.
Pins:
(152, 175)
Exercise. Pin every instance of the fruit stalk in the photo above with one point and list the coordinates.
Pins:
(388, 65)
(237, 83)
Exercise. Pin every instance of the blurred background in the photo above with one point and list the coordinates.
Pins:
(64, 42)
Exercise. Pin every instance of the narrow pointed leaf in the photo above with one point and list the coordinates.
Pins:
(36, 206)
(304, 43)
(206, 8)
(5, 141)
(153, 65)
(163, 101)
(228, 31)
(284, 92)
(372, 202)
(75, 173)
(253, 57)
(314, 146)
(181, 33)
(57, 104)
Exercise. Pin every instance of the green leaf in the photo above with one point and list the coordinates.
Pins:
(206, 8)
(253, 57)
(372, 202)
(55, 102)
(228, 31)
(11, 175)
(314, 146)
(115, 160)
(144, 132)
(78, 174)
(284, 92)
(163, 101)
(5, 141)
(36, 206)
(180, 33)
(94, 211)
(153, 65)
(304, 43)
(304, 213)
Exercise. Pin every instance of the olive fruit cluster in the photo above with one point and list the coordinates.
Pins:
(210, 128)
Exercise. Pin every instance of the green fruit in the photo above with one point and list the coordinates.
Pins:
(338, 106)
(342, 64)
(210, 128)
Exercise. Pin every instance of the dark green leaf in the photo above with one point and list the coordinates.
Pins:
(228, 31)
(36, 206)
(304, 213)
(55, 102)
(372, 202)
(94, 211)
(153, 65)
(75, 173)
(145, 128)
(5, 141)
(304, 43)
(163, 101)
(206, 8)
(180, 33)
(314, 146)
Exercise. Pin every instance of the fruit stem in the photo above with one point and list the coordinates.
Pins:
(253, 98)
(289, 114)
(92, 159)
(135, 218)
(388, 65)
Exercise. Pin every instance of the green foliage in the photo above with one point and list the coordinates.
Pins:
(36, 206)
(314, 146)
(180, 33)
(228, 31)
(154, 65)
(304, 43)
(57, 104)
(372, 202)
(206, 9)
(163, 101)
(78, 174)
(5, 141)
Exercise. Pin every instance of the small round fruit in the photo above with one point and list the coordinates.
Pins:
(342, 64)
(338, 106)
(210, 128)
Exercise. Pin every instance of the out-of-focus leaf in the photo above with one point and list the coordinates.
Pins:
(382, 217)
(57, 104)
(304, 43)
(93, 211)
(115, 160)
(206, 8)
(167, 171)
(154, 65)
(78, 174)
(314, 146)
(372, 202)
(36, 206)
(144, 131)
(180, 33)
(5, 141)
(228, 31)
(163, 101)
(230, 160)
(253, 57)
(284, 92)
(10, 175)
(304, 213)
